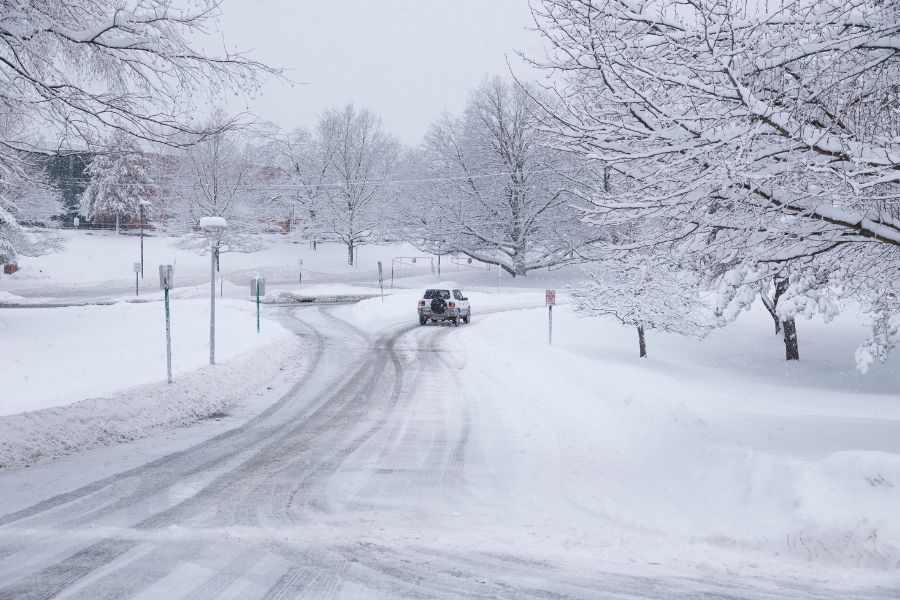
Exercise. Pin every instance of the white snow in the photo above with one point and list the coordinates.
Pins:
(712, 455)
(56, 356)
(133, 413)
(690, 456)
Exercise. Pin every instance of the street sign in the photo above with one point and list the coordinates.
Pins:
(261, 282)
(137, 267)
(258, 288)
(163, 271)
(551, 297)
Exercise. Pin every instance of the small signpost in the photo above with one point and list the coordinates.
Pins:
(166, 282)
(381, 280)
(166, 273)
(550, 299)
(138, 270)
(301, 273)
(258, 287)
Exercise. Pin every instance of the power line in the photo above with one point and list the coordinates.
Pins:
(333, 185)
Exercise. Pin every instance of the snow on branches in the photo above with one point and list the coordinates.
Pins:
(765, 134)
(493, 190)
(646, 297)
(119, 183)
(77, 70)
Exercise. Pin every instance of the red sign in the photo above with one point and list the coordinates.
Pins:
(551, 297)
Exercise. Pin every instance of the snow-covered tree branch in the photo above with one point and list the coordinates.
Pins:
(763, 133)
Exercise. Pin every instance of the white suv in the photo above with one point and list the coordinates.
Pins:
(438, 305)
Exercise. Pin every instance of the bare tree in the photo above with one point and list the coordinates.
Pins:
(302, 165)
(218, 178)
(357, 157)
(494, 191)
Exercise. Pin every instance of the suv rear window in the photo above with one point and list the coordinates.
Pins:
(432, 294)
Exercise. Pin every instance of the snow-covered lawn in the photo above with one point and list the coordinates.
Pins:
(77, 377)
(57, 356)
(714, 451)
(98, 261)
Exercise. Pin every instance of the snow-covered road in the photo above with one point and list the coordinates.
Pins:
(387, 472)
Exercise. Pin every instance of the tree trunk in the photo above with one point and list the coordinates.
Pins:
(519, 263)
(350, 253)
(117, 224)
(781, 285)
(772, 310)
(791, 350)
(641, 342)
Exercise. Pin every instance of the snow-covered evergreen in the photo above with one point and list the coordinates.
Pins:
(120, 181)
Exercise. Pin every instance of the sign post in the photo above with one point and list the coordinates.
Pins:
(550, 299)
(300, 283)
(258, 287)
(138, 270)
(381, 280)
(165, 279)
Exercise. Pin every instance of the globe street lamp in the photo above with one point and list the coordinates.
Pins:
(214, 228)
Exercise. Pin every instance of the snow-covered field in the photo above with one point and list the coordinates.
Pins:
(76, 377)
(101, 262)
(56, 356)
(707, 451)
(712, 456)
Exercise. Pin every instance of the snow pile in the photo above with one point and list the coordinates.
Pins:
(683, 454)
(7, 298)
(78, 377)
(325, 294)
(29, 437)
(55, 356)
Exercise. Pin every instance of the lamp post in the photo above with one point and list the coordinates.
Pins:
(214, 228)
(143, 204)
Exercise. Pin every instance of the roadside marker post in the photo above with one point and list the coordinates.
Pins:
(550, 299)
(166, 281)
(300, 271)
(381, 280)
(138, 271)
(258, 287)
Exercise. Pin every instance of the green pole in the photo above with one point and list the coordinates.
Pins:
(168, 329)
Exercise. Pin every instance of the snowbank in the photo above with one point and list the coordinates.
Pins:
(29, 437)
(78, 377)
(56, 356)
(683, 453)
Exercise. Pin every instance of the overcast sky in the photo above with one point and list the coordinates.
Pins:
(407, 60)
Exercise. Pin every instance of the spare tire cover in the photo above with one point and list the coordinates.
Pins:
(438, 305)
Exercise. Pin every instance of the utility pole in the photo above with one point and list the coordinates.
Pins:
(142, 204)
(214, 228)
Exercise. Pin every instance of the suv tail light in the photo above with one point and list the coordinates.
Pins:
(421, 304)
(453, 305)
